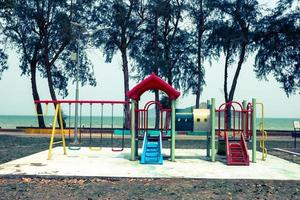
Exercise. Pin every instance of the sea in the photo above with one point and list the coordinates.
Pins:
(13, 121)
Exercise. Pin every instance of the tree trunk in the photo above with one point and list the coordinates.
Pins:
(126, 86)
(228, 109)
(199, 63)
(200, 30)
(156, 92)
(237, 73)
(234, 82)
(35, 95)
(52, 92)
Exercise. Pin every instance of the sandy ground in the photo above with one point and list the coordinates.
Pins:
(13, 147)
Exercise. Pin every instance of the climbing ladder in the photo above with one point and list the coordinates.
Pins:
(152, 149)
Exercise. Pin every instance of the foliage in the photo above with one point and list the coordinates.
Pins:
(164, 47)
(41, 31)
(7, 4)
(278, 38)
(3, 62)
(123, 19)
(233, 33)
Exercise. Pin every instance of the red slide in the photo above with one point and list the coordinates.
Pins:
(236, 151)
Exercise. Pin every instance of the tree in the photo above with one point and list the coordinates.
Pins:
(17, 28)
(164, 47)
(199, 12)
(278, 38)
(54, 22)
(40, 32)
(124, 18)
(233, 34)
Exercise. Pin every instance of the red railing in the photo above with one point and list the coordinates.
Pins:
(82, 101)
(245, 149)
(241, 119)
(142, 117)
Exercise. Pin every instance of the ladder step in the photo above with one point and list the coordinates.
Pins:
(155, 154)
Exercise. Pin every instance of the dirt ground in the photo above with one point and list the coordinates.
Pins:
(13, 147)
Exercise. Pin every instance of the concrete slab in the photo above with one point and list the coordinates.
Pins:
(190, 163)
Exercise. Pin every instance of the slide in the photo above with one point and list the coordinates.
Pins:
(152, 149)
(236, 151)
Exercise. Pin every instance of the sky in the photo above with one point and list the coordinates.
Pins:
(16, 98)
(16, 95)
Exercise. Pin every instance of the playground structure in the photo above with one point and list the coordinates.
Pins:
(234, 133)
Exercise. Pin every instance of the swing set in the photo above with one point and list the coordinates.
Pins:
(110, 128)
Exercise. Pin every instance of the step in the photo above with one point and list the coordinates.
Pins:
(237, 159)
(150, 154)
(151, 150)
(151, 160)
(237, 156)
(238, 163)
(235, 147)
(152, 145)
(234, 144)
(235, 150)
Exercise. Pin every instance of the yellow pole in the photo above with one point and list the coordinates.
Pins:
(53, 132)
(62, 130)
(263, 134)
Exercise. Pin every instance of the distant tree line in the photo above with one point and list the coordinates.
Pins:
(173, 38)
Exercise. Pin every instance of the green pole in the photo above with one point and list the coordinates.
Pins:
(173, 131)
(208, 104)
(244, 116)
(254, 130)
(213, 129)
(132, 157)
(208, 135)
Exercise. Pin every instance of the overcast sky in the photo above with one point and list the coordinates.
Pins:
(16, 95)
(16, 98)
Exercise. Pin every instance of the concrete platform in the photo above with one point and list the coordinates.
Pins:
(190, 163)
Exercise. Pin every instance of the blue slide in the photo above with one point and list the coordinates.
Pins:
(152, 149)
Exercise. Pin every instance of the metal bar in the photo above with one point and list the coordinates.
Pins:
(69, 121)
(82, 101)
(132, 155)
(213, 133)
(254, 130)
(244, 117)
(80, 122)
(91, 113)
(62, 130)
(101, 125)
(53, 132)
(173, 133)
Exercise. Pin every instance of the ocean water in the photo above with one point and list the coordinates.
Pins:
(11, 122)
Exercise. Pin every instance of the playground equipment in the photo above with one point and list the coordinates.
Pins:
(58, 116)
(296, 132)
(232, 132)
(235, 131)
(152, 144)
(264, 134)
(152, 139)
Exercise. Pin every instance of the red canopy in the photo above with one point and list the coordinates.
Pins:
(150, 83)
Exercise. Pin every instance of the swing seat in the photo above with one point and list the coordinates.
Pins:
(74, 148)
(95, 148)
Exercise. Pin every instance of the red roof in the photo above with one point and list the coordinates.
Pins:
(150, 83)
